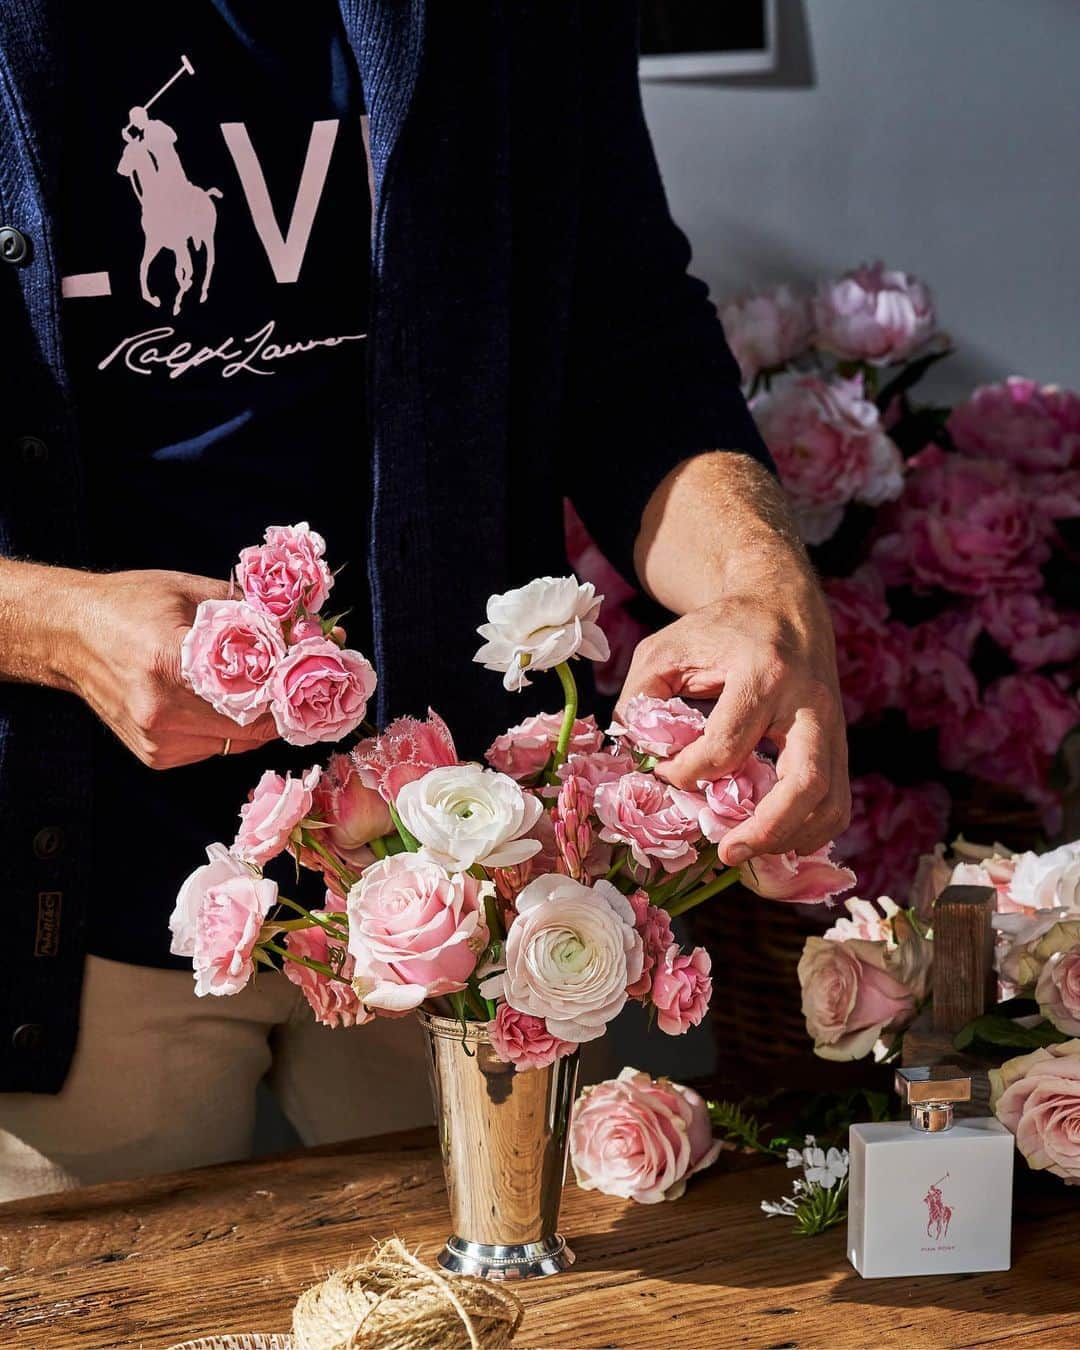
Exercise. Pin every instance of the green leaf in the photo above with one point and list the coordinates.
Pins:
(994, 1030)
(738, 1126)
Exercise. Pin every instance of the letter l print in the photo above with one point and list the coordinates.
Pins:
(286, 253)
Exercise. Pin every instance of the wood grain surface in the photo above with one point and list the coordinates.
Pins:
(150, 1263)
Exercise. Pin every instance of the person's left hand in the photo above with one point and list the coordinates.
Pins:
(766, 653)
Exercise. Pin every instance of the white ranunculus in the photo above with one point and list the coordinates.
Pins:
(570, 954)
(1048, 880)
(221, 866)
(462, 814)
(541, 625)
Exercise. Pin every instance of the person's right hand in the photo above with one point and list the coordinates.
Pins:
(123, 659)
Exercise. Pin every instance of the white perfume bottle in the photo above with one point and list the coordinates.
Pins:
(930, 1196)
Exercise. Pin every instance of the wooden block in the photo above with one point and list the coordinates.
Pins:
(964, 982)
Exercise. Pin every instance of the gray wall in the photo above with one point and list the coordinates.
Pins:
(941, 135)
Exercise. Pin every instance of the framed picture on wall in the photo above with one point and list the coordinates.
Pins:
(694, 38)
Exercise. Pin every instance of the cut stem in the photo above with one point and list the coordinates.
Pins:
(570, 700)
(703, 893)
(412, 844)
(320, 966)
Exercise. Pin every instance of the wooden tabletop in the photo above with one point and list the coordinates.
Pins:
(150, 1263)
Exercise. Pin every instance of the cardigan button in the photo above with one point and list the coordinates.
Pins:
(32, 449)
(48, 842)
(28, 1037)
(14, 245)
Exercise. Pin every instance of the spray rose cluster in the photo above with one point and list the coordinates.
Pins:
(534, 893)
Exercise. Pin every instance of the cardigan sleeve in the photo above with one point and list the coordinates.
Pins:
(651, 380)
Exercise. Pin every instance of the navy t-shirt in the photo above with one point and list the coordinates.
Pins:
(215, 246)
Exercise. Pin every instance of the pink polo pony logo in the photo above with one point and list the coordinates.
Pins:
(938, 1212)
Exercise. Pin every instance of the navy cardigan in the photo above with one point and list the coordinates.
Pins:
(534, 335)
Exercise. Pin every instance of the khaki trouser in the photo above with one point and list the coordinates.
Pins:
(162, 1080)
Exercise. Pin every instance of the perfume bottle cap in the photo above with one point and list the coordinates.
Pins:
(930, 1093)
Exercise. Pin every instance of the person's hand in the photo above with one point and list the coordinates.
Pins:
(122, 657)
(765, 652)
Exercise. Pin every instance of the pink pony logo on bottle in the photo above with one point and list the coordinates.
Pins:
(938, 1212)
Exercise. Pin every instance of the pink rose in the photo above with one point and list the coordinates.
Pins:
(941, 685)
(640, 1138)
(1058, 991)
(1031, 628)
(352, 815)
(286, 573)
(873, 315)
(830, 448)
(524, 1041)
(404, 752)
(681, 989)
(891, 827)
(721, 805)
(523, 750)
(1031, 426)
(229, 655)
(221, 865)
(654, 928)
(658, 726)
(849, 996)
(305, 628)
(622, 630)
(334, 1003)
(415, 931)
(601, 766)
(226, 931)
(1037, 1097)
(799, 880)
(766, 331)
(965, 525)
(871, 650)
(320, 692)
(640, 811)
(271, 816)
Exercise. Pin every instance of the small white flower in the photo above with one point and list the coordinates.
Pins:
(826, 1169)
(794, 1158)
(785, 1208)
(462, 814)
(539, 626)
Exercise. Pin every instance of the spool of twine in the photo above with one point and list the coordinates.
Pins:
(392, 1301)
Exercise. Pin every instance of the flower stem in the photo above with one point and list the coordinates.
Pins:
(342, 873)
(318, 920)
(412, 844)
(721, 883)
(320, 966)
(570, 697)
(616, 866)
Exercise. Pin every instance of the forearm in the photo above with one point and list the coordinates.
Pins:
(40, 612)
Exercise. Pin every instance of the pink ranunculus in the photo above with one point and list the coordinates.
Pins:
(1058, 991)
(229, 655)
(334, 1003)
(873, 314)
(601, 766)
(351, 814)
(415, 931)
(658, 726)
(830, 448)
(1037, 1097)
(766, 331)
(726, 802)
(941, 684)
(654, 929)
(681, 989)
(226, 931)
(872, 651)
(270, 818)
(320, 692)
(891, 827)
(1030, 425)
(221, 865)
(965, 525)
(286, 573)
(1031, 628)
(524, 749)
(404, 752)
(850, 997)
(640, 1138)
(799, 880)
(640, 811)
(524, 1041)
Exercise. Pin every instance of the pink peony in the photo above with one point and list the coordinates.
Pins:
(524, 1041)
(221, 865)
(965, 525)
(286, 573)
(523, 750)
(1030, 628)
(1058, 991)
(1032, 426)
(871, 650)
(873, 315)
(1037, 1097)
(941, 685)
(830, 448)
(681, 989)
(654, 928)
(640, 1138)
(891, 826)
(415, 932)
(1055, 496)
(334, 1003)
(721, 805)
(226, 931)
(657, 726)
(766, 331)
(320, 692)
(850, 997)
(622, 630)
(271, 816)
(640, 811)
(352, 815)
(404, 752)
(229, 655)
(799, 880)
